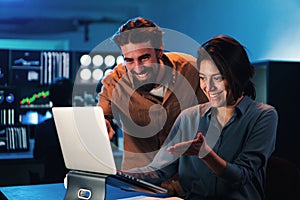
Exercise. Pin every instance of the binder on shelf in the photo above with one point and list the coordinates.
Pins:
(14, 139)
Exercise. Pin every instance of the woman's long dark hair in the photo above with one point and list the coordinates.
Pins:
(233, 63)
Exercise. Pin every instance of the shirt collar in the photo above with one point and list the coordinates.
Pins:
(243, 104)
(240, 107)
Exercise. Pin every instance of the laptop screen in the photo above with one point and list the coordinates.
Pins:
(84, 139)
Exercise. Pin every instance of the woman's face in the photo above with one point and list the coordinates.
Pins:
(213, 84)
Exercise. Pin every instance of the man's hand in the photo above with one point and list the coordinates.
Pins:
(188, 148)
(110, 130)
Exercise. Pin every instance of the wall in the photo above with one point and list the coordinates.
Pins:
(268, 28)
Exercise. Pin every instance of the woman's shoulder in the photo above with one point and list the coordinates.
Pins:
(199, 109)
(262, 108)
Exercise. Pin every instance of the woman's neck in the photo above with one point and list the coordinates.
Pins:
(224, 114)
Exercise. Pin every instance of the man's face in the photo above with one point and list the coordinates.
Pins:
(141, 61)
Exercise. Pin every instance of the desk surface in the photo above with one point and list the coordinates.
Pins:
(57, 191)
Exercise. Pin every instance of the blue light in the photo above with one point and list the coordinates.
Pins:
(9, 1)
(10, 98)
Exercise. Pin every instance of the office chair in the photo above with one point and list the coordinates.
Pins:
(282, 179)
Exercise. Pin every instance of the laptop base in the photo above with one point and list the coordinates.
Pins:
(85, 185)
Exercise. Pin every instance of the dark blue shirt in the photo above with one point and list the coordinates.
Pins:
(245, 142)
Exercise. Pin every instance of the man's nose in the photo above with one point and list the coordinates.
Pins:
(137, 65)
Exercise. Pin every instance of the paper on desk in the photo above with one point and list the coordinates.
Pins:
(150, 198)
(140, 198)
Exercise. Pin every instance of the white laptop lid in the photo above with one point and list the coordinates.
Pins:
(84, 139)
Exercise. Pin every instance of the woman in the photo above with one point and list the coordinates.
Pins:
(221, 148)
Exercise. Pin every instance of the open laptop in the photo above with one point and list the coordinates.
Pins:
(86, 147)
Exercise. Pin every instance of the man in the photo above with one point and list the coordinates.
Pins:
(146, 93)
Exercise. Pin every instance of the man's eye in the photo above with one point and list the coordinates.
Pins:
(144, 58)
(202, 77)
(128, 60)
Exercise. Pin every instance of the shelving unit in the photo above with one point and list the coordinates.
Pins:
(277, 84)
(25, 76)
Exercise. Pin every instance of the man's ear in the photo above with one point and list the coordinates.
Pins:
(160, 51)
(162, 48)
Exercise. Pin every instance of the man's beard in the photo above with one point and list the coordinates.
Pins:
(146, 87)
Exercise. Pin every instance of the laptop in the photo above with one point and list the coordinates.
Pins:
(86, 147)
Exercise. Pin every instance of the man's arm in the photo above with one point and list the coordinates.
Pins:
(105, 96)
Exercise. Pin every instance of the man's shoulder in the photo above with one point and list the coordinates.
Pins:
(119, 69)
(116, 73)
(182, 62)
(179, 56)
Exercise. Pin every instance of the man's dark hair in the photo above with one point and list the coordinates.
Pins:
(138, 30)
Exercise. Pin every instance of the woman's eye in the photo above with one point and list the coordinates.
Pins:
(218, 78)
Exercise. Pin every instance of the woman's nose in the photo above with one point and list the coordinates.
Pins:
(210, 85)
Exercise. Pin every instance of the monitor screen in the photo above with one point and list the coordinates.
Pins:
(8, 105)
(38, 67)
(26, 67)
(34, 104)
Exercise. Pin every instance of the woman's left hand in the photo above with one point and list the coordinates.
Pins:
(188, 148)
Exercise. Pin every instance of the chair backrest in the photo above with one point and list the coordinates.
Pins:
(282, 179)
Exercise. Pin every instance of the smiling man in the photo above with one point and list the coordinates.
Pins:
(146, 93)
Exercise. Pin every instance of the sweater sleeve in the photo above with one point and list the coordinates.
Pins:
(109, 82)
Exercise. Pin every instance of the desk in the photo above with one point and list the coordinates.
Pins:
(20, 168)
(57, 191)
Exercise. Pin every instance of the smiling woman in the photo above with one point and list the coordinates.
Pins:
(221, 148)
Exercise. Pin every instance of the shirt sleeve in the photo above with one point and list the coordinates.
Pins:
(109, 82)
(164, 164)
(257, 149)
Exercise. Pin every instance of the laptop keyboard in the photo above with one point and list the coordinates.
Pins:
(141, 182)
